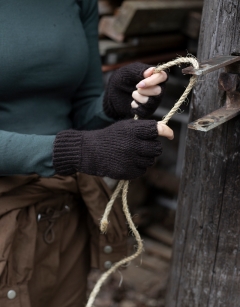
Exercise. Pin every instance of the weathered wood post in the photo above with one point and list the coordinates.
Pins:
(206, 258)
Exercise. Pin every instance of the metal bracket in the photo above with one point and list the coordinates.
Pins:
(229, 82)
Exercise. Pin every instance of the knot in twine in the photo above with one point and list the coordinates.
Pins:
(123, 184)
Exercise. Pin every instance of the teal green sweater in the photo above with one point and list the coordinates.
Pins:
(50, 79)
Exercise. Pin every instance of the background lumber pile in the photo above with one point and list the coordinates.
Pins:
(105, 8)
(149, 17)
(140, 28)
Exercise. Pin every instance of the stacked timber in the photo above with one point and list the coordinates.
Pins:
(105, 8)
(137, 29)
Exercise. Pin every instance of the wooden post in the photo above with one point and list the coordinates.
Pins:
(206, 257)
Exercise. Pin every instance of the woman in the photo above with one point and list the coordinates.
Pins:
(57, 129)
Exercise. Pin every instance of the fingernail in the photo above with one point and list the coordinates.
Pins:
(141, 84)
(134, 105)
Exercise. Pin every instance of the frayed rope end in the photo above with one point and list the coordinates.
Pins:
(104, 226)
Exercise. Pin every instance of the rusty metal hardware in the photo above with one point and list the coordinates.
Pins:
(229, 82)
(211, 65)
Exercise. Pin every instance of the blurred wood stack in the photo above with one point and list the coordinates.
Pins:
(152, 30)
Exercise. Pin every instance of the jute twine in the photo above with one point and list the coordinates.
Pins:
(123, 184)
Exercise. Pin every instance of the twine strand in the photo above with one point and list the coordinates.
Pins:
(125, 260)
(191, 84)
(104, 221)
(124, 184)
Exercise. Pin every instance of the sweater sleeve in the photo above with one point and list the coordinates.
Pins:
(26, 154)
(88, 101)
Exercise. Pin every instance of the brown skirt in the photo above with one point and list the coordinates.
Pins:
(49, 237)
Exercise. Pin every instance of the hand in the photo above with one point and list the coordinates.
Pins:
(123, 150)
(121, 89)
(144, 103)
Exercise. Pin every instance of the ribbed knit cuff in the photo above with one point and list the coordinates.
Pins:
(67, 152)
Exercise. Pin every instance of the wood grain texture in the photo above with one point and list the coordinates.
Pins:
(206, 257)
(141, 17)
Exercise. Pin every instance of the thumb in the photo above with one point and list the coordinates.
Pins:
(164, 130)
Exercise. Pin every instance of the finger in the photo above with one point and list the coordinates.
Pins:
(150, 91)
(147, 73)
(164, 130)
(134, 105)
(139, 98)
(153, 80)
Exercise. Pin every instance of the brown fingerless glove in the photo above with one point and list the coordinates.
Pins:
(123, 150)
(118, 95)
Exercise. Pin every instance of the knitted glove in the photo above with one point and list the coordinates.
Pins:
(118, 96)
(123, 150)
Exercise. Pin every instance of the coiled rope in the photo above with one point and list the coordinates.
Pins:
(123, 184)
